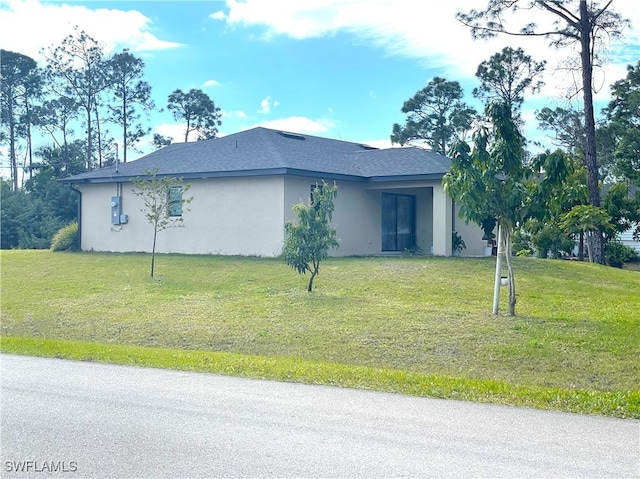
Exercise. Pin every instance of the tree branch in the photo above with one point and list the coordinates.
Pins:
(563, 13)
(602, 10)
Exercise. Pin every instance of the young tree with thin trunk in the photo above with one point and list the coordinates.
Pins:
(583, 23)
(164, 202)
(490, 180)
(308, 241)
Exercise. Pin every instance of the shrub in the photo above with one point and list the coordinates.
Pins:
(618, 253)
(457, 243)
(66, 239)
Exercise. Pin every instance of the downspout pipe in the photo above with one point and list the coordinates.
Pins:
(76, 190)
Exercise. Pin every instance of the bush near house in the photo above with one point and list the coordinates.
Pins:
(66, 239)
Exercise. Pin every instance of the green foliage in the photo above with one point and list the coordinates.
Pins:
(30, 216)
(586, 218)
(19, 83)
(618, 254)
(66, 239)
(160, 141)
(125, 73)
(567, 126)
(506, 76)
(488, 180)
(549, 240)
(623, 114)
(436, 115)
(155, 192)
(62, 161)
(624, 211)
(457, 243)
(308, 241)
(580, 26)
(78, 69)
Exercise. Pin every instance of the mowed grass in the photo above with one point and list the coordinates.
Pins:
(417, 325)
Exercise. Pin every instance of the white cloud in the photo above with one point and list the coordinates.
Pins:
(219, 15)
(432, 36)
(174, 131)
(266, 104)
(29, 25)
(233, 114)
(299, 124)
(211, 83)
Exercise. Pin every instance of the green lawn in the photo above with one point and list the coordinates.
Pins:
(413, 325)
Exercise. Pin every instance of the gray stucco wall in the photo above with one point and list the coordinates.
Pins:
(245, 216)
(228, 216)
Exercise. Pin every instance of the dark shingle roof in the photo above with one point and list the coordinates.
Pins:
(262, 151)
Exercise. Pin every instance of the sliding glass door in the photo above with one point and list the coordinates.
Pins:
(398, 222)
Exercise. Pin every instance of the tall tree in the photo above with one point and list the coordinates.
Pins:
(506, 76)
(582, 23)
(76, 70)
(16, 72)
(436, 115)
(198, 110)
(130, 92)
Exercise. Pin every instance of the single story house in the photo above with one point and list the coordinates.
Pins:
(245, 184)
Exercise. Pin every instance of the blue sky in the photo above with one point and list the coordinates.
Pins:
(333, 68)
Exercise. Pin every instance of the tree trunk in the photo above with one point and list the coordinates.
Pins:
(12, 143)
(310, 285)
(98, 135)
(89, 134)
(498, 275)
(589, 122)
(124, 130)
(581, 247)
(314, 273)
(153, 250)
(512, 282)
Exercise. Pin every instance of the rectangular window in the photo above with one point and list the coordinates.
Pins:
(398, 222)
(174, 204)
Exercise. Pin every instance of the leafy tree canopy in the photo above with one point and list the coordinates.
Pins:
(436, 115)
(623, 115)
(507, 75)
(308, 241)
(198, 111)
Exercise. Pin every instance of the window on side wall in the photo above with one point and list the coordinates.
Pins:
(313, 188)
(174, 204)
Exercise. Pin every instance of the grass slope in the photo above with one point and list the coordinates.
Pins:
(412, 325)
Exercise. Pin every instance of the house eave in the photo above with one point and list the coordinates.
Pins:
(117, 178)
(391, 178)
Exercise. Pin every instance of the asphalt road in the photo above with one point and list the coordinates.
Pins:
(94, 420)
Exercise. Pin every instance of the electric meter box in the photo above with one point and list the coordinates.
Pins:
(116, 210)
